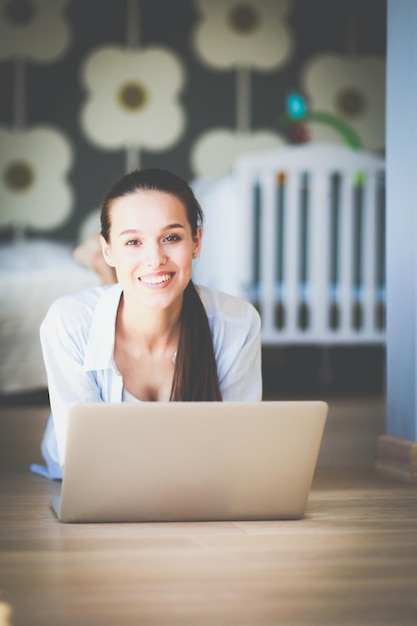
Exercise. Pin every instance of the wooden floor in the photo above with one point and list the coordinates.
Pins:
(352, 560)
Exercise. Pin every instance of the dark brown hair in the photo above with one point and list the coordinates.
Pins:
(195, 375)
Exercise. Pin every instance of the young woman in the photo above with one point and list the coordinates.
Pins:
(154, 335)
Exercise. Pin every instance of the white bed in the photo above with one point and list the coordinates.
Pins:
(32, 275)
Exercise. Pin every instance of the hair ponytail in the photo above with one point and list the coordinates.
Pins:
(195, 375)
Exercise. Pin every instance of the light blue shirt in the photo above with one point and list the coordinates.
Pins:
(78, 335)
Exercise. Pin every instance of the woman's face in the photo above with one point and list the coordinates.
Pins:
(151, 246)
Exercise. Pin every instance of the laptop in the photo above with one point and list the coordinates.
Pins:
(186, 461)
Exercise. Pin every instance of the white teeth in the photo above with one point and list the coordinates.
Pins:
(154, 280)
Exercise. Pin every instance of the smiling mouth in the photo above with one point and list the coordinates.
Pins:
(155, 280)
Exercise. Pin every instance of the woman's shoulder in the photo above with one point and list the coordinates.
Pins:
(80, 304)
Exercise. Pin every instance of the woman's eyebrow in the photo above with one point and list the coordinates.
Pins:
(129, 231)
(173, 226)
(135, 231)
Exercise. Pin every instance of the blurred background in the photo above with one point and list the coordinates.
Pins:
(91, 89)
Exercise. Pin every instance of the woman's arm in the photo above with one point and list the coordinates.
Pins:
(63, 340)
(239, 356)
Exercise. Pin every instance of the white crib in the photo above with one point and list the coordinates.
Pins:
(300, 232)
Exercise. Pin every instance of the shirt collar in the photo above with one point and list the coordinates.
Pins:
(99, 352)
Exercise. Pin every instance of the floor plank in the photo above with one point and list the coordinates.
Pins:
(352, 560)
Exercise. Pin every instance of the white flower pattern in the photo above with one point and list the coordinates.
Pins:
(35, 30)
(243, 33)
(353, 90)
(216, 151)
(34, 191)
(133, 98)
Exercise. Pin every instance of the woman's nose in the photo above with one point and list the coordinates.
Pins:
(155, 256)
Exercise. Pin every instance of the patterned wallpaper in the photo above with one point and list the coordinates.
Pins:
(91, 88)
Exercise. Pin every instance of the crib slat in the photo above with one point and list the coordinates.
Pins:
(369, 258)
(291, 253)
(346, 247)
(319, 252)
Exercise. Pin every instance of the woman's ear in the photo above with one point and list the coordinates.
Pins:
(197, 242)
(105, 248)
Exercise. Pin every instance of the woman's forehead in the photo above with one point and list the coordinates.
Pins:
(148, 206)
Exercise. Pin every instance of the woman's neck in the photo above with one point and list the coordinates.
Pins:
(151, 330)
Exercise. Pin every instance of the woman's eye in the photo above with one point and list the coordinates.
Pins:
(133, 242)
(172, 238)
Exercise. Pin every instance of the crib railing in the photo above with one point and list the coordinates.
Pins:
(313, 222)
